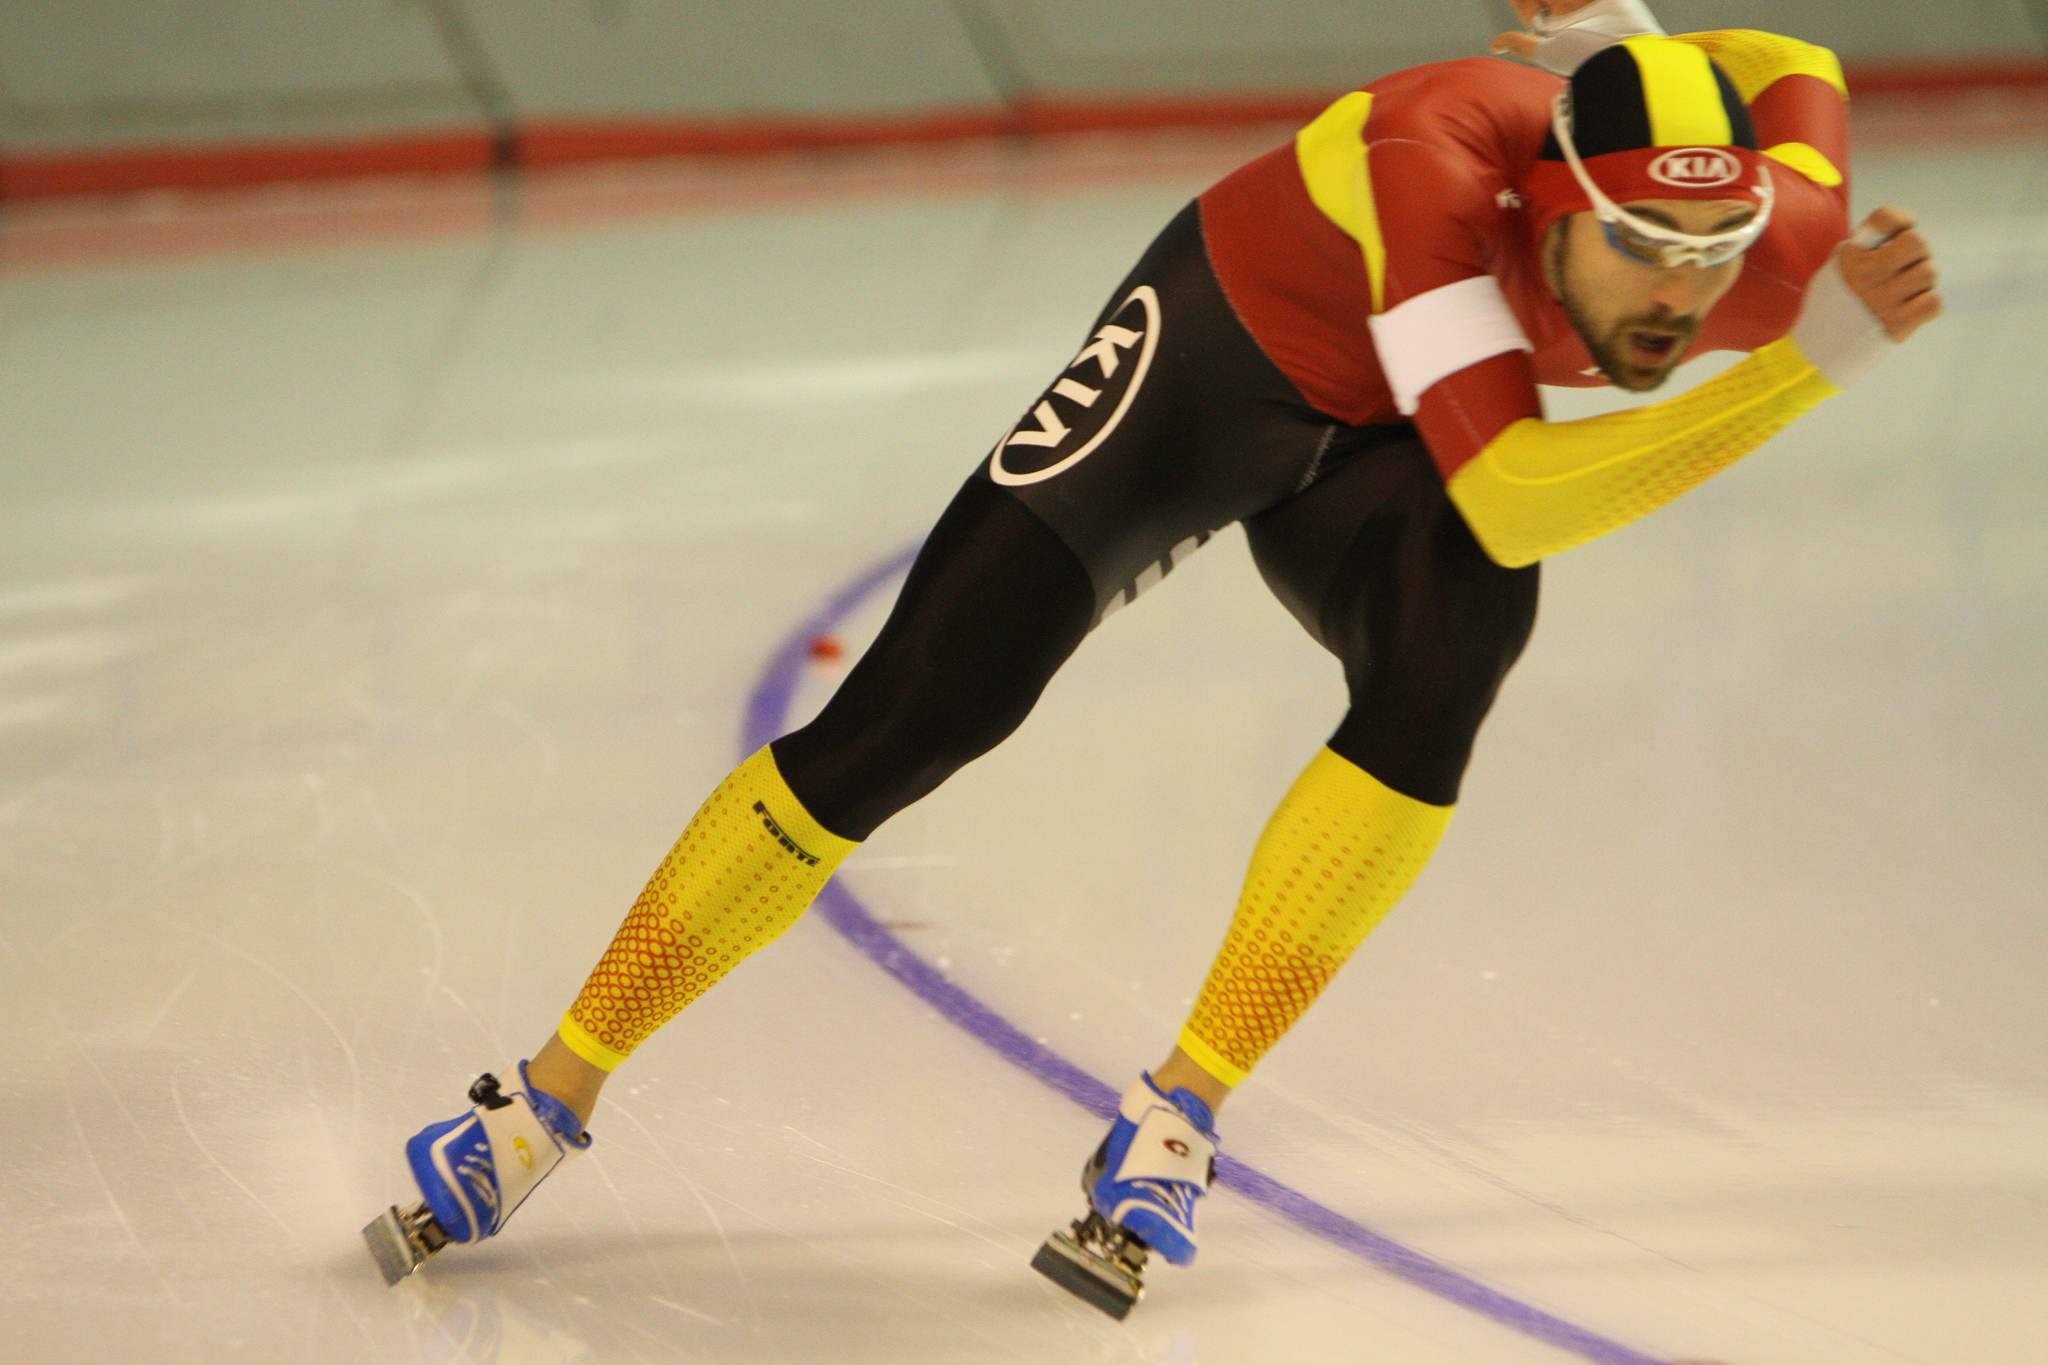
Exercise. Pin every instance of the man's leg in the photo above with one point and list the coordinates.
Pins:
(1427, 627)
(993, 606)
(1377, 563)
(1168, 423)
(1091, 498)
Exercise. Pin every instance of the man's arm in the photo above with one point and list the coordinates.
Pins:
(1794, 90)
(1457, 361)
(1530, 488)
(1797, 99)
(1540, 487)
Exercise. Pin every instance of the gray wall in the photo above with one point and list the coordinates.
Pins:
(96, 73)
(77, 75)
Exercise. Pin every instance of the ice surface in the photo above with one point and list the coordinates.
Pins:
(383, 580)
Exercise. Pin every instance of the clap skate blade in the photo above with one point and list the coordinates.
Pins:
(400, 1239)
(1096, 1261)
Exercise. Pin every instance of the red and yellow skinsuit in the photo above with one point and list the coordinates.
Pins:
(1414, 195)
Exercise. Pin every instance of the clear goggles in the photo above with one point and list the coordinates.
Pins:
(1653, 244)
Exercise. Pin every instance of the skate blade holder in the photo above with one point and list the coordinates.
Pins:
(401, 1239)
(1096, 1262)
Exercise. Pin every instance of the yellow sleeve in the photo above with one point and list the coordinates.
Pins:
(1756, 61)
(1541, 487)
(1805, 130)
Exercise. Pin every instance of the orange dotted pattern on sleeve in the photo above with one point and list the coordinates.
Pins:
(1336, 856)
(1542, 487)
(747, 867)
(1755, 61)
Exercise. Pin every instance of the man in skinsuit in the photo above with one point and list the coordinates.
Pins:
(1339, 346)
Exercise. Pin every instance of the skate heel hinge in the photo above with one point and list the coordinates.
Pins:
(1096, 1261)
(401, 1239)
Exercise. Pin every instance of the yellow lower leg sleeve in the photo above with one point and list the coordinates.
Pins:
(748, 866)
(1339, 852)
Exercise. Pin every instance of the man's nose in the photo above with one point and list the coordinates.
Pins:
(1680, 289)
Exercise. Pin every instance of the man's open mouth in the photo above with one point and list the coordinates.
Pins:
(1652, 348)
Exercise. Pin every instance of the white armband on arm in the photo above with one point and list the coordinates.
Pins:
(1836, 330)
(1434, 335)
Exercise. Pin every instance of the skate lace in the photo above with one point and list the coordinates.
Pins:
(1178, 1197)
(476, 1172)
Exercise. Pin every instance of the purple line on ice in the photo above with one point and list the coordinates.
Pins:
(767, 716)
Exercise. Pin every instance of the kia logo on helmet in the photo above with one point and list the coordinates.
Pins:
(1696, 168)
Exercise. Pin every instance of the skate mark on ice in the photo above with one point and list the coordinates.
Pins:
(291, 1235)
(145, 1139)
(685, 1311)
(118, 1097)
(696, 1192)
(419, 902)
(913, 1200)
(765, 718)
(417, 898)
(529, 725)
(163, 1012)
(290, 983)
(323, 813)
(99, 1173)
(166, 826)
(905, 861)
(596, 1163)
(71, 595)
(149, 1254)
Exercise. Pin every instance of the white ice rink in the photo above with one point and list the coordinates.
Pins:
(386, 573)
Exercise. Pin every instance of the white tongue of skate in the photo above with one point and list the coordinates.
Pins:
(1167, 1148)
(523, 1148)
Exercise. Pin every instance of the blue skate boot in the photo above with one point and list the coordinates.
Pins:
(474, 1171)
(1142, 1184)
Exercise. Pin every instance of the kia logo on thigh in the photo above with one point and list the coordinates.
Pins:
(1082, 410)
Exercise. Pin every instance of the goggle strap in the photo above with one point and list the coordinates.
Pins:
(1610, 212)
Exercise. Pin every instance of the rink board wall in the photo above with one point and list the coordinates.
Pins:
(111, 94)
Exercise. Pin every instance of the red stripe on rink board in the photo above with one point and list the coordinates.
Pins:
(1950, 77)
(74, 234)
(120, 170)
(569, 142)
(82, 233)
(1084, 114)
(561, 142)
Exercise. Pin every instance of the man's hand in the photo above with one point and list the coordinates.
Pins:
(1523, 44)
(1890, 267)
(1877, 291)
(1620, 18)
(1527, 10)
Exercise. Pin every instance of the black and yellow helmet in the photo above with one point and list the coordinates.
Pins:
(1650, 118)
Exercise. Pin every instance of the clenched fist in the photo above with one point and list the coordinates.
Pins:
(1876, 291)
(1527, 10)
(1890, 267)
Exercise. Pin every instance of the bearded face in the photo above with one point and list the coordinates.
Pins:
(1640, 320)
